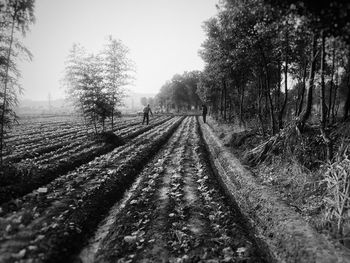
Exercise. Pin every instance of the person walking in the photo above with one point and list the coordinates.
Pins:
(146, 112)
(204, 112)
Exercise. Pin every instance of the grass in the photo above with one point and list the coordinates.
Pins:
(297, 170)
(337, 212)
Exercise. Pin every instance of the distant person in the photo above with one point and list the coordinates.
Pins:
(204, 112)
(146, 112)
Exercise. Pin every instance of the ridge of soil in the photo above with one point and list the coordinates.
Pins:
(31, 178)
(52, 226)
(178, 212)
(289, 237)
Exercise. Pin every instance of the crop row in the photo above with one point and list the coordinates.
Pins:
(75, 203)
(39, 135)
(74, 147)
(45, 144)
(30, 127)
(38, 171)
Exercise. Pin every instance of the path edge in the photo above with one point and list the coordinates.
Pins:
(277, 227)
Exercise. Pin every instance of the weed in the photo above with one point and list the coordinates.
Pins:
(337, 213)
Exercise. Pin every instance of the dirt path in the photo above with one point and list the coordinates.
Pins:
(175, 212)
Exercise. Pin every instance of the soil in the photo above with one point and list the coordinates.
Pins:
(163, 195)
(156, 199)
(33, 173)
(176, 213)
(52, 222)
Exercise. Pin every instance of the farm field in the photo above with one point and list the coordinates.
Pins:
(41, 151)
(244, 156)
(151, 197)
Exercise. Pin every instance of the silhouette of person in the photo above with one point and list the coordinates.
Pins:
(146, 112)
(204, 112)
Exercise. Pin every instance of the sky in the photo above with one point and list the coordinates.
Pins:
(163, 37)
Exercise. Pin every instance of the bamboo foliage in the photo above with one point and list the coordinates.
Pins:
(94, 82)
(16, 17)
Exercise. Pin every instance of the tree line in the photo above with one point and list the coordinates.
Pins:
(276, 61)
(180, 93)
(95, 82)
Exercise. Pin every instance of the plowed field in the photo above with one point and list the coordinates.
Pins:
(153, 199)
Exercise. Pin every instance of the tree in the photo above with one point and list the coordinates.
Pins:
(95, 101)
(239, 51)
(118, 70)
(86, 87)
(143, 101)
(16, 16)
(253, 47)
(180, 92)
(95, 82)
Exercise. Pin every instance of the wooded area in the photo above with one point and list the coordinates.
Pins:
(268, 64)
(280, 70)
(274, 62)
(180, 93)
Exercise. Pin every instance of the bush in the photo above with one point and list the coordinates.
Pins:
(337, 199)
(109, 138)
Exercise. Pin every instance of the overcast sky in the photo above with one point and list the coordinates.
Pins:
(163, 36)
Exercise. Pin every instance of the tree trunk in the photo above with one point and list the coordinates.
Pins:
(270, 105)
(284, 105)
(278, 91)
(323, 119)
(304, 116)
(259, 107)
(225, 99)
(347, 102)
(334, 110)
(112, 113)
(302, 95)
(323, 88)
(331, 84)
(2, 120)
(268, 93)
(222, 102)
(230, 110)
(241, 106)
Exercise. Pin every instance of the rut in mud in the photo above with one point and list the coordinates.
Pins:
(175, 212)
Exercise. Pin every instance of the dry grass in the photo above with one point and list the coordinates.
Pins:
(293, 181)
(337, 212)
(295, 166)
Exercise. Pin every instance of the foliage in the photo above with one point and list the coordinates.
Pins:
(15, 18)
(180, 92)
(144, 101)
(286, 66)
(147, 101)
(95, 82)
(338, 201)
(117, 71)
(254, 48)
